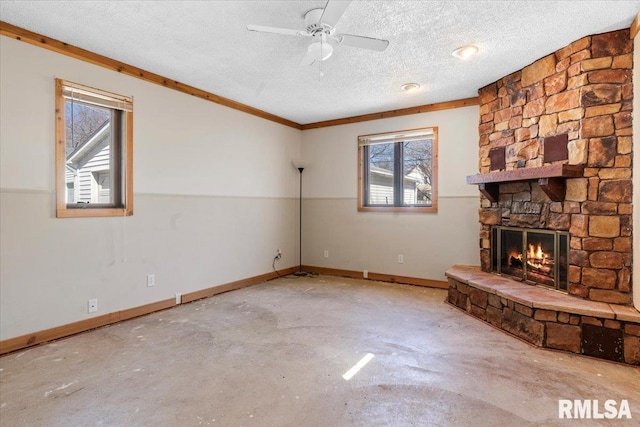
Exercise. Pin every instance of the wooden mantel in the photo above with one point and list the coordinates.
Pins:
(551, 179)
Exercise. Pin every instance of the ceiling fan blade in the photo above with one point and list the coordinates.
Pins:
(274, 30)
(333, 11)
(308, 59)
(362, 42)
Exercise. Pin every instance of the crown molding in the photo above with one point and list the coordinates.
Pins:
(54, 45)
(66, 49)
(635, 26)
(466, 102)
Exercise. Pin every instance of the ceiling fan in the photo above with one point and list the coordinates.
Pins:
(320, 25)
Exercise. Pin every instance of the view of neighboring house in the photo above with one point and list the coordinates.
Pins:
(416, 187)
(88, 169)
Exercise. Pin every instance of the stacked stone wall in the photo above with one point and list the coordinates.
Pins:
(585, 91)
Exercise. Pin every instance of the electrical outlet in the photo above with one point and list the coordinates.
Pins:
(151, 280)
(278, 254)
(400, 259)
(178, 298)
(365, 274)
(326, 253)
(92, 305)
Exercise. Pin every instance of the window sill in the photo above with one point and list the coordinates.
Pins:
(407, 209)
(92, 213)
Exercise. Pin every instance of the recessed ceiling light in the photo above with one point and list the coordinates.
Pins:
(407, 87)
(465, 52)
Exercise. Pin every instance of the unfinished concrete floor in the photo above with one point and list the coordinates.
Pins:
(275, 354)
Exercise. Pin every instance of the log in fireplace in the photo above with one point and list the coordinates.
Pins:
(535, 256)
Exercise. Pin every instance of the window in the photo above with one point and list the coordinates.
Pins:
(94, 150)
(398, 171)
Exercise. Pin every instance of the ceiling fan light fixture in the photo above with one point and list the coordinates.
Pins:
(320, 51)
(465, 52)
(408, 87)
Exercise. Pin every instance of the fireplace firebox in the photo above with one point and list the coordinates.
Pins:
(535, 256)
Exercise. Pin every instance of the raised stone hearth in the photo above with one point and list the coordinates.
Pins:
(547, 318)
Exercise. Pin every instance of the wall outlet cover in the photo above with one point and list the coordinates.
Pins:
(93, 305)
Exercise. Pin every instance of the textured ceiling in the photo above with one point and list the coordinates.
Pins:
(205, 44)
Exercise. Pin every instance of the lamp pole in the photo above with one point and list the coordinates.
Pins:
(300, 273)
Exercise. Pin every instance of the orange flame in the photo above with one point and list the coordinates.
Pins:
(535, 257)
(536, 252)
(538, 259)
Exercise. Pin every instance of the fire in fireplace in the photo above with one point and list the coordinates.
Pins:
(533, 255)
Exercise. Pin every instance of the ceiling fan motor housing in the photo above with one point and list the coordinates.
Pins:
(313, 24)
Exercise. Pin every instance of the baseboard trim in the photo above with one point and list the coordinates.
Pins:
(29, 340)
(381, 277)
(233, 286)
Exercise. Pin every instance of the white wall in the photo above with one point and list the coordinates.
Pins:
(215, 196)
(371, 241)
(636, 168)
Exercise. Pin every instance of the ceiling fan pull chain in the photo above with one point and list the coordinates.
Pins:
(322, 40)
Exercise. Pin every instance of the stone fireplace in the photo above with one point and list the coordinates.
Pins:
(555, 155)
(582, 93)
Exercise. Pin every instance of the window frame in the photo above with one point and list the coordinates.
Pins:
(124, 160)
(363, 179)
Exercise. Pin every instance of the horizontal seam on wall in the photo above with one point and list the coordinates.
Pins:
(474, 196)
(213, 196)
(52, 192)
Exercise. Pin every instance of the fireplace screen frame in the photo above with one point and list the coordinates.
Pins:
(560, 248)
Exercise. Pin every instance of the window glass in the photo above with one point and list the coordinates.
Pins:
(88, 148)
(381, 166)
(417, 172)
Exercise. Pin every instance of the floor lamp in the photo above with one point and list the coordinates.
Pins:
(300, 166)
